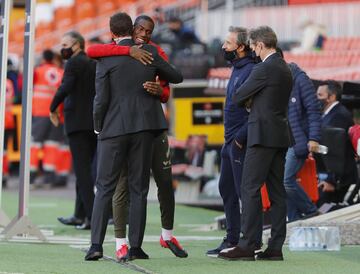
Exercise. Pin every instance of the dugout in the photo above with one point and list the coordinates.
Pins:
(197, 110)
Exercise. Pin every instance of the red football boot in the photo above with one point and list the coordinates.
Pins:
(174, 246)
(121, 254)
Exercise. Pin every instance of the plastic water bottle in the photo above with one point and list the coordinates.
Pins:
(314, 239)
(322, 149)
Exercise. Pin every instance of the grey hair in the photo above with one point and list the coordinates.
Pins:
(77, 37)
(264, 34)
(242, 36)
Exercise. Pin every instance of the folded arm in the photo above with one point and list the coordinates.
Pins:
(164, 96)
(106, 50)
(254, 83)
(166, 71)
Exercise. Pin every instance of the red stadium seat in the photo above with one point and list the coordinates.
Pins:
(43, 28)
(85, 10)
(356, 76)
(355, 44)
(64, 18)
(18, 29)
(125, 2)
(329, 43)
(106, 6)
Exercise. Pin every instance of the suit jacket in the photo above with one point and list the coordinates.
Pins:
(269, 85)
(77, 90)
(121, 105)
(340, 117)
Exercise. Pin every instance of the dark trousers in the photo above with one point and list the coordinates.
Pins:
(232, 161)
(161, 168)
(263, 164)
(136, 150)
(79, 211)
(79, 207)
(83, 147)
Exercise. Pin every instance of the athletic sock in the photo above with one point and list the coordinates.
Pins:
(166, 234)
(120, 242)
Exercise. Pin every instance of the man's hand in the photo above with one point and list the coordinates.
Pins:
(313, 146)
(238, 144)
(54, 118)
(248, 104)
(326, 187)
(141, 55)
(154, 88)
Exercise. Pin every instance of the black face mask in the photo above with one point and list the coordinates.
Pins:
(229, 55)
(175, 31)
(323, 103)
(257, 59)
(66, 53)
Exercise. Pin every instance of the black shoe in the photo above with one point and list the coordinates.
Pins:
(137, 253)
(86, 225)
(270, 255)
(224, 244)
(313, 214)
(72, 220)
(4, 182)
(94, 253)
(49, 178)
(33, 175)
(258, 249)
(237, 254)
(60, 181)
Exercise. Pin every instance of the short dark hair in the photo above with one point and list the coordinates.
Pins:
(333, 88)
(242, 37)
(174, 19)
(279, 50)
(145, 18)
(77, 37)
(48, 55)
(264, 34)
(96, 39)
(121, 24)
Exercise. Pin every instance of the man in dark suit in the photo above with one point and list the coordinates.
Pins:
(127, 119)
(269, 85)
(77, 91)
(332, 186)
